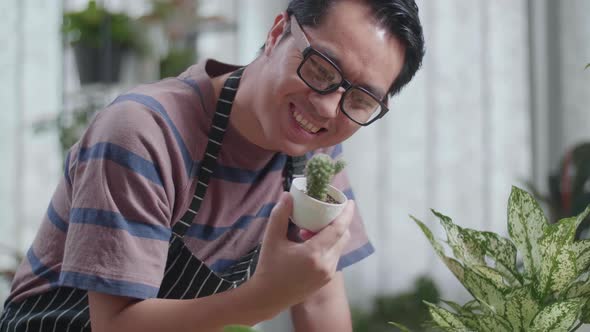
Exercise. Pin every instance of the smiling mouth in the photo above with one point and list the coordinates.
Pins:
(305, 124)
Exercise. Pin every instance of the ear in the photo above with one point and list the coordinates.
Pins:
(274, 35)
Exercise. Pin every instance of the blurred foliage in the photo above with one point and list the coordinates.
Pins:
(177, 61)
(69, 125)
(569, 187)
(95, 25)
(406, 308)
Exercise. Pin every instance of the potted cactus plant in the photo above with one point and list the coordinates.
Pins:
(550, 292)
(315, 202)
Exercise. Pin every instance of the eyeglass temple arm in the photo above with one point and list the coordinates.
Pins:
(297, 32)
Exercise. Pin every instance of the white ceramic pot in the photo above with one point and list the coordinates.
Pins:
(310, 213)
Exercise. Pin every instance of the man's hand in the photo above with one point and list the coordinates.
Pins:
(288, 272)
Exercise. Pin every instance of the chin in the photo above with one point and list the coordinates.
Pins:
(293, 149)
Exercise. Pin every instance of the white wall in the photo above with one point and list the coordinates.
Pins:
(455, 140)
(30, 77)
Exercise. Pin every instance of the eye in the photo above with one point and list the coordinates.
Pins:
(321, 72)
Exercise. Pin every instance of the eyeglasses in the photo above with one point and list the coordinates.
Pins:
(323, 76)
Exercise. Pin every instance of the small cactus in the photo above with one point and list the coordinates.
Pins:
(319, 172)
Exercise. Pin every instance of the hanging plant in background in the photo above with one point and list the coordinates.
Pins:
(551, 292)
(99, 39)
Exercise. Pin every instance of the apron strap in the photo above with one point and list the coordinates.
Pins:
(209, 160)
(294, 167)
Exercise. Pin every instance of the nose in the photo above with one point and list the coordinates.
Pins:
(326, 105)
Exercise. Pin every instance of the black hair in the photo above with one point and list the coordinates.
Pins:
(399, 17)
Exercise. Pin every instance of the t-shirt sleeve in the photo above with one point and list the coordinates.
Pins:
(359, 246)
(124, 183)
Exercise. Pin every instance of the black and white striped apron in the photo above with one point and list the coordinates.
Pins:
(186, 277)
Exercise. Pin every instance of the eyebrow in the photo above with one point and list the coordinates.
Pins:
(378, 92)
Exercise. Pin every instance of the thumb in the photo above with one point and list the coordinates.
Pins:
(278, 222)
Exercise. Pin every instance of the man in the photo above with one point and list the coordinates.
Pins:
(165, 198)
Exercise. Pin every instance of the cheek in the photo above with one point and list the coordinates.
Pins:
(344, 129)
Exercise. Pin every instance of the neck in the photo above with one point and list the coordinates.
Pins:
(243, 116)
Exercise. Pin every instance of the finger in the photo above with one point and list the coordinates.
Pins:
(278, 222)
(338, 247)
(305, 234)
(329, 236)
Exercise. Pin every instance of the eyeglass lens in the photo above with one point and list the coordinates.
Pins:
(322, 76)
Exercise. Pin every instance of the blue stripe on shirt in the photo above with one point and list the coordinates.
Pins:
(337, 151)
(348, 193)
(106, 285)
(56, 219)
(222, 264)
(115, 220)
(155, 106)
(355, 256)
(123, 157)
(238, 175)
(334, 154)
(209, 233)
(40, 270)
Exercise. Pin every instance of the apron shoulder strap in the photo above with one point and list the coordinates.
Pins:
(209, 160)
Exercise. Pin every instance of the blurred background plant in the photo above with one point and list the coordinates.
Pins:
(569, 188)
(174, 25)
(100, 38)
(406, 308)
(164, 41)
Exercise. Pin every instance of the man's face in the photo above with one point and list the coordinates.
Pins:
(296, 119)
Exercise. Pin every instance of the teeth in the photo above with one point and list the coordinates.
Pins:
(303, 123)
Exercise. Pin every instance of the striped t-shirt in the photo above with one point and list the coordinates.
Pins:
(131, 176)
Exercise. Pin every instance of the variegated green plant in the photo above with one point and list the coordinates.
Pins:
(549, 292)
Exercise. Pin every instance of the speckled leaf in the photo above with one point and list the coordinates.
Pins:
(451, 263)
(475, 307)
(465, 250)
(492, 275)
(470, 247)
(558, 268)
(455, 306)
(582, 247)
(501, 250)
(484, 290)
(557, 317)
(445, 319)
(521, 308)
(582, 250)
(580, 288)
(585, 317)
(526, 225)
(486, 323)
(400, 327)
(437, 247)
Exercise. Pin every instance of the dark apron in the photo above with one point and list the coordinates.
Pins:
(185, 277)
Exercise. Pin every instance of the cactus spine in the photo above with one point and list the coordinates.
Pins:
(319, 171)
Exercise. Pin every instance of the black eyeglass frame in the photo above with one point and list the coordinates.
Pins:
(307, 52)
